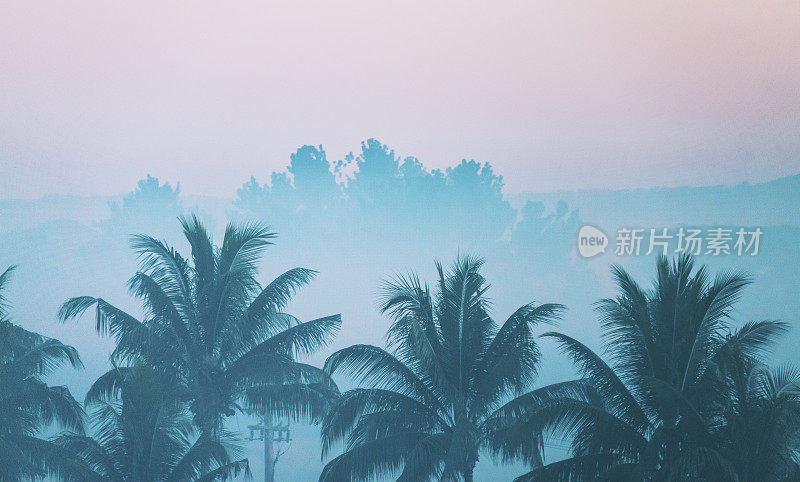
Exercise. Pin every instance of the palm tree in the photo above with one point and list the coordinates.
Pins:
(143, 432)
(426, 405)
(216, 330)
(27, 403)
(662, 409)
(759, 419)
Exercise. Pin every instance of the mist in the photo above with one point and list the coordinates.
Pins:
(371, 215)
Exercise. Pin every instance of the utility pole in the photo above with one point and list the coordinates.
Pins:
(271, 434)
(269, 466)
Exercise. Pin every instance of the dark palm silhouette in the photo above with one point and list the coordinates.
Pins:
(216, 330)
(426, 407)
(759, 419)
(671, 404)
(27, 403)
(143, 432)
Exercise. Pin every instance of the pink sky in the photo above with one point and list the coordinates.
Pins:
(556, 95)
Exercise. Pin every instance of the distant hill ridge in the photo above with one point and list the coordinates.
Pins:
(771, 203)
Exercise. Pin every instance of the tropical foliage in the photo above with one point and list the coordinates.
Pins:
(427, 404)
(27, 403)
(214, 329)
(143, 432)
(685, 396)
(681, 392)
(758, 431)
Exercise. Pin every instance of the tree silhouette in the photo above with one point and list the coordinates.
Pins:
(143, 432)
(427, 408)
(211, 326)
(683, 392)
(27, 403)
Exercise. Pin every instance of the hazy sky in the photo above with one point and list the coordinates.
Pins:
(557, 95)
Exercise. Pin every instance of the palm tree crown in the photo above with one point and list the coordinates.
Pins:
(215, 329)
(757, 424)
(427, 405)
(672, 397)
(143, 432)
(27, 403)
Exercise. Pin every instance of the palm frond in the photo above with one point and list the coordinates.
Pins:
(301, 339)
(354, 404)
(242, 247)
(583, 468)
(228, 471)
(720, 297)
(424, 461)
(373, 459)
(604, 380)
(781, 381)
(511, 360)
(274, 298)
(44, 357)
(109, 320)
(5, 277)
(306, 401)
(380, 369)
